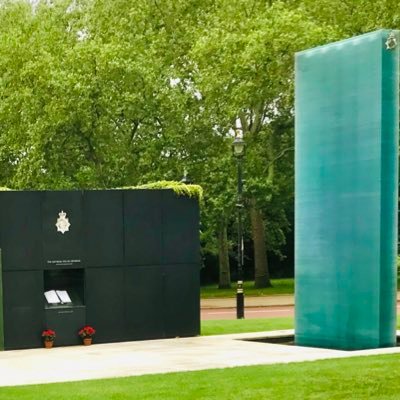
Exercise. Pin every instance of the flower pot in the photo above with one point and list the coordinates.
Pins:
(87, 341)
(48, 344)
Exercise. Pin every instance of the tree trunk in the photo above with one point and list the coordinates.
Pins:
(261, 279)
(223, 256)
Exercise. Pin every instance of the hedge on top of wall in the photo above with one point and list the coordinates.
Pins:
(180, 189)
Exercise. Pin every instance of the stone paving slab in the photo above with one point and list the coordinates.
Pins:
(36, 366)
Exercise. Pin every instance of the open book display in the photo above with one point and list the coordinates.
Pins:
(57, 297)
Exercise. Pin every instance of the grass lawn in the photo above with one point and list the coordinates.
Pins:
(223, 327)
(374, 377)
(279, 286)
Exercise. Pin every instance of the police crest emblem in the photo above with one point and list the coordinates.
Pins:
(63, 223)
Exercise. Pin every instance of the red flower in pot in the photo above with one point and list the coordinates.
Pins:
(48, 336)
(86, 333)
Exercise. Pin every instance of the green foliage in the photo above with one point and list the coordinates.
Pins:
(100, 94)
(179, 188)
(95, 94)
(398, 266)
(353, 17)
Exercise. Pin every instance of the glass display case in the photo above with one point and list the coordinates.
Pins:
(64, 288)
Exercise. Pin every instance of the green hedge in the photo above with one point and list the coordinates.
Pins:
(180, 189)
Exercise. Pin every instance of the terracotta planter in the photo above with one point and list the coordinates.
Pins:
(87, 341)
(48, 344)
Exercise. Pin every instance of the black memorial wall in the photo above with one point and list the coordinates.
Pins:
(128, 258)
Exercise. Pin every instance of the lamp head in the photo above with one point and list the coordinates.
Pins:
(185, 178)
(238, 147)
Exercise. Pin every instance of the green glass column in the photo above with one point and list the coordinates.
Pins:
(346, 192)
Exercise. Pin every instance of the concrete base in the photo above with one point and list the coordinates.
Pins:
(20, 367)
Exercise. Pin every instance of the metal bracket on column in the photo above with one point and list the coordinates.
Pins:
(391, 41)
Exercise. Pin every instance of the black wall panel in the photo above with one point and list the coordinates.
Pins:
(23, 309)
(103, 228)
(142, 222)
(66, 322)
(21, 230)
(180, 227)
(182, 300)
(144, 291)
(3, 202)
(105, 303)
(62, 248)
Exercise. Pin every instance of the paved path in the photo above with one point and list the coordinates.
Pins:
(35, 366)
(259, 301)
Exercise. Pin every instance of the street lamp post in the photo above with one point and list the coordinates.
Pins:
(238, 147)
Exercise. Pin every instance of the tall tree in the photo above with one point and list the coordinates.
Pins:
(244, 60)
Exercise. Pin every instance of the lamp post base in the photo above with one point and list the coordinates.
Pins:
(240, 305)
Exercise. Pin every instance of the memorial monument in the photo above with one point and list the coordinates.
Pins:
(346, 163)
(126, 262)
